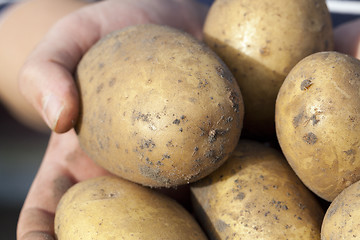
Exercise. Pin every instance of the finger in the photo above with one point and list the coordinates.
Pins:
(79, 166)
(36, 219)
(63, 165)
(46, 78)
(188, 15)
(347, 38)
(57, 104)
(193, 17)
(40, 224)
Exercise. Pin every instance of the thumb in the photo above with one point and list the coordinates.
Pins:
(46, 79)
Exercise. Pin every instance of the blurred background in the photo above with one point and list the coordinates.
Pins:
(21, 151)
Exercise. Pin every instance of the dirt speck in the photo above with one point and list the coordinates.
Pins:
(229, 119)
(310, 138)
(220, 71)
(212, 136)
(202, 83)
(213, 156)
(176, 121)
(166, 156)
(264, 51)
(210, 154)
(99, 88)
(332, 210)
(314, 120)
(141, 116)
(214, 133)
(154, 173)
(220, 225)
(297, 119)
(147, 144)
(112, 82)
(302, 206)
(170, 144)
(350, 152)
(234, 99)
(224, 74)
(240, 196)
(306, 84)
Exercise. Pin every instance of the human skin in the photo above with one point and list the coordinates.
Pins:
(347, 38)
(46, 81)
(22, 26)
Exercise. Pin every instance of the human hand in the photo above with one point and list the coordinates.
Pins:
(64, 164)
(46, 79)
(347, 38)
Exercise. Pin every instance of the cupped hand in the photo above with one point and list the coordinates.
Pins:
(64, 164)
(46, 79)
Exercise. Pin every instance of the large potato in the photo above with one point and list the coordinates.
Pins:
(341, 220)
(318, 122)
(261, 41)
(112, 208)
(158, 107)
(256, 195)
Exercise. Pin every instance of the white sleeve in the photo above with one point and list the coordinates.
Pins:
(351, 7)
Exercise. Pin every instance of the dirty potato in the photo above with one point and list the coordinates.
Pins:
(112, 208)
(261, 41)
(256, 195)
(341, 220)
(318, 122)
(157, 106)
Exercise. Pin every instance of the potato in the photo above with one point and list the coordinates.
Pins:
(341, 220)
(261, 41)
(112, 208)
(256, 195)
(157, 106)
(318, 122)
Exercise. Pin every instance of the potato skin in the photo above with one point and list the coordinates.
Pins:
(318, 124)
(158, 107)
(256, 195)
(341, 220)
(109, 207)
(261, 41)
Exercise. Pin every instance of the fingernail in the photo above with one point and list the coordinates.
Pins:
(52, 108)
